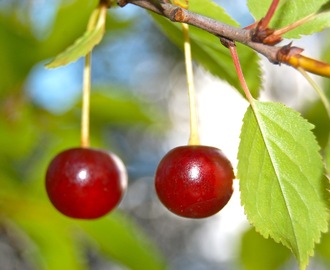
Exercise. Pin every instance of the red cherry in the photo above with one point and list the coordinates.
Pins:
(85, 183)
(194, 181)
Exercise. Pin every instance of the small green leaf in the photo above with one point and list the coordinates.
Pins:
(290, 11)
(85, 44)
(208, 51)
(280, 172)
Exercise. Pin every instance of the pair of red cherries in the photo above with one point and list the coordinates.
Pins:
(192, 181)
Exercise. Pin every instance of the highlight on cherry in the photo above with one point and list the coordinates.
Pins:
(194, 181)
(85, 183)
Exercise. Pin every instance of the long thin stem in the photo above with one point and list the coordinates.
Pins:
(86, 101)
(318, 90)
(194, 133)
(234, 55)
(270, 14)
(282, 31)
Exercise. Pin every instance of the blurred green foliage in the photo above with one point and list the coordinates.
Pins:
(30, 136)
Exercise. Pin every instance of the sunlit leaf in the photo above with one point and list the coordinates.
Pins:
(280, 172)
(289, 12)
(65, 27)
(83, 45)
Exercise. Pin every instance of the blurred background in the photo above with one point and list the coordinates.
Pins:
(139, 110)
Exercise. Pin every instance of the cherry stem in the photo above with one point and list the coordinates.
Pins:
(86, 101)
(194, 133)
(233, 52)
(317, 88)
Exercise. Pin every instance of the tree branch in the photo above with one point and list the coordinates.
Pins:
(219, 29)
(282, 54)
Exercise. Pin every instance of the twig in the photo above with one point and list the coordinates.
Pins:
(219, 29)
(242, 35)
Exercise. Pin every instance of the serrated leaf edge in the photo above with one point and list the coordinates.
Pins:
(267, 234)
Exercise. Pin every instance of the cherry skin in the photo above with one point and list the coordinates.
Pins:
(85, 183)
(194, 181)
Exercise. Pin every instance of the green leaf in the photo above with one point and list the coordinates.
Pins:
(290, 11)
(66, 28)
(258, 253)
(85, 44)
(208, 51)
(280, 172)
(116, 236)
